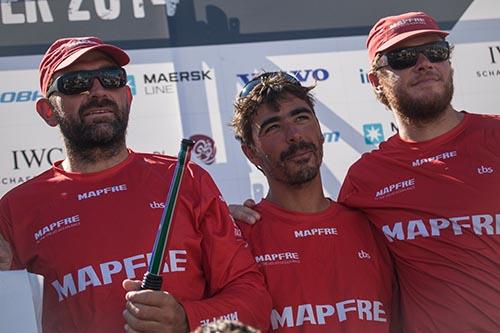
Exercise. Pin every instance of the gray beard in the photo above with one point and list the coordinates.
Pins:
(91, 146)
(89, 143)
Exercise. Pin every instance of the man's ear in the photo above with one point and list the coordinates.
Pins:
(129, 95)
(375, 82)
(46, 111)
(249, 152)
(252, 156)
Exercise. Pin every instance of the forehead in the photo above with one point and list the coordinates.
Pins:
(417, 40)
(286, 104)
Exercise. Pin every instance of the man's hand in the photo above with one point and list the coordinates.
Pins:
(245, 212)
(152, 311)
(5, 254)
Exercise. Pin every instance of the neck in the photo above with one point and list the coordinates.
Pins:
(93, 160)
(305, 198)
(418, 131)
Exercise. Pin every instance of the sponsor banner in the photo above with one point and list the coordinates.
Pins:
(26, 151)
(477, 76)
(188, 92)
(18, 94)
(155, 118)
(483, 68)
(477, 66)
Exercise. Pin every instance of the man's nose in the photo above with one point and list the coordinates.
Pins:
(96, 87)
(423, 62)
(293, 133)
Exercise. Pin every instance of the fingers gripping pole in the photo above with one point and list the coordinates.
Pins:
(153, 279)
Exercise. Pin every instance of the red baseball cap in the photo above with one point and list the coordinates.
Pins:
(392, 30)
(65, 51)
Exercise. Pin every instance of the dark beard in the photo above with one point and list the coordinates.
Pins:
(421, 110)
(90, 142)
(304, 174)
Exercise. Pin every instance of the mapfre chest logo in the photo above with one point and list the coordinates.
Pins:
(399, 187)
(314, 232)
(281, 258)
(56, 227)
(439, 158)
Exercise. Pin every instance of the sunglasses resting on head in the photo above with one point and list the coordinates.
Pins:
(407, 57)
(247, 88)
(73, 83)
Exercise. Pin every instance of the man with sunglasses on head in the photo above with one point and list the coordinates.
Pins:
(432, 188)
(88, 223)
(324, 267)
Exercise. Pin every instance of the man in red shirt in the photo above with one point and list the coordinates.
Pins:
(89, 222)
(323, 265)
(431, 189)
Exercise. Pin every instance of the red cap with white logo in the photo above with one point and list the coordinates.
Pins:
(65, 51)
(392, 30)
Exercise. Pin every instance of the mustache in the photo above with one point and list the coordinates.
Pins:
(426, 76)
(295, 147)
(98, 103)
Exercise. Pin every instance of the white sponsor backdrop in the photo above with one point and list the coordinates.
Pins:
(180, 92)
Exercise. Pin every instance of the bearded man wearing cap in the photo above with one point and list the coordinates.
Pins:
(432, 188)
(93, 217)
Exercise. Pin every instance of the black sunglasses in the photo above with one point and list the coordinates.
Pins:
(73, 83)
(247, 88)
(407, 57)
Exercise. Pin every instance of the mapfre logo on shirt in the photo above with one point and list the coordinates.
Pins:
(114, 271)
(280, 258)
(420, 227)
(100, 192)
(314, 232)
(328, 315)
(56, 227)
(434, 159)
(399, 187)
